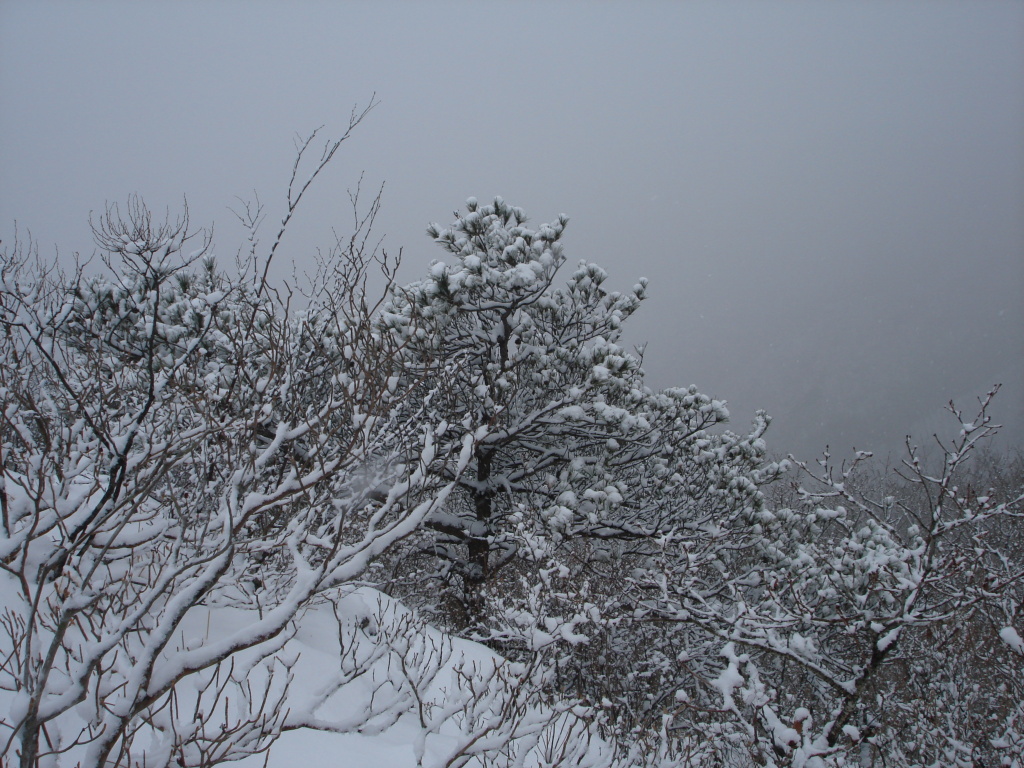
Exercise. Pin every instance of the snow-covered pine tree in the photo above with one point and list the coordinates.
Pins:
(584, 471)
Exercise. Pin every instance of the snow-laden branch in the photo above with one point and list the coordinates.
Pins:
(179, 440)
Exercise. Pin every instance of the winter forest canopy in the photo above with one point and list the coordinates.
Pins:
(451, 514)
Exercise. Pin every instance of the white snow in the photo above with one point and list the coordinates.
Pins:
(1010, 636)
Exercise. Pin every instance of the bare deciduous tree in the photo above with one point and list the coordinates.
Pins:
(173, 440)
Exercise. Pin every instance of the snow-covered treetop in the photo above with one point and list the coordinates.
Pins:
(501, 282)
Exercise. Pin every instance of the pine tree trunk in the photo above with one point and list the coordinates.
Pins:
(479, 546)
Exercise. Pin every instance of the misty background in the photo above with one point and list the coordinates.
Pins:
(828, 198)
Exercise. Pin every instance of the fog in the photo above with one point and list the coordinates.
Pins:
(828, 199)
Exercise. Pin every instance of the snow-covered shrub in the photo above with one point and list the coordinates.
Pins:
(176, 440)
(876, 622)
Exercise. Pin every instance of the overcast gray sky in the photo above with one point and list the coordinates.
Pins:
(828, 198)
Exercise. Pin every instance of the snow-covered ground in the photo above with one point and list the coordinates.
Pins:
(369, 684)
(317, 650)
(409, 695)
